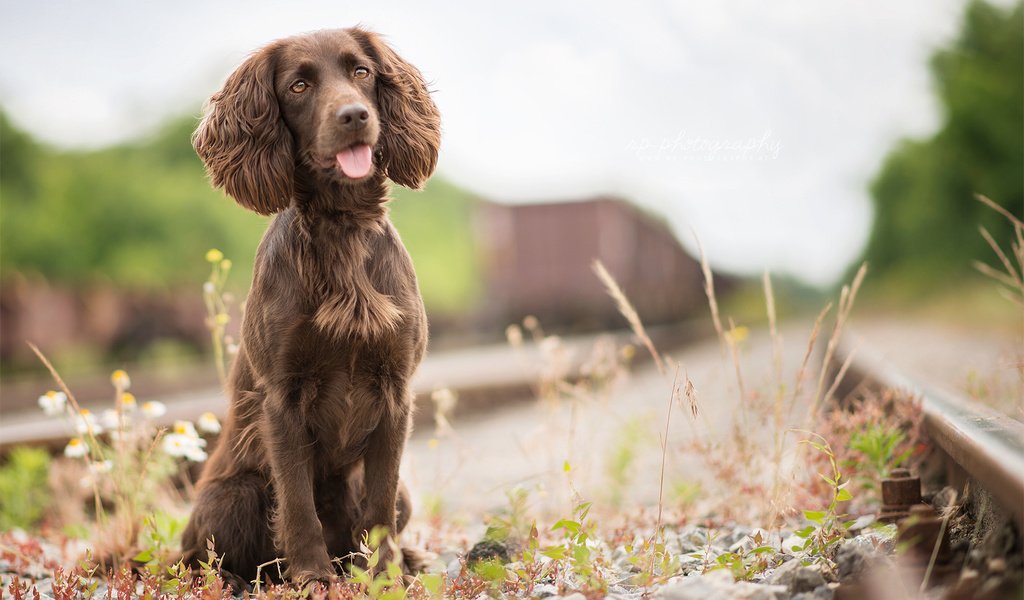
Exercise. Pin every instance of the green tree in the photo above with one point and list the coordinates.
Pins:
(926, 217)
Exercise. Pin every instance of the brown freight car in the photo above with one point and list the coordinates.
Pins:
(536, 260)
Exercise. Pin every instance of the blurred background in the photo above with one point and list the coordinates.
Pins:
(793, 137)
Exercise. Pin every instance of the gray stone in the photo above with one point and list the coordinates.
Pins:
(454, 568)
(856, 557)
(797, 577)
(718, 585)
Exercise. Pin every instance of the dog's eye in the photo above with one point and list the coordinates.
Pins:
(299, 86)
(361, 73)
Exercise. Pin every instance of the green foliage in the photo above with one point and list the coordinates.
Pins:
(132, 215)
(827, 527)
(379, 581)
(926, 217)
(24, 488)
(576, 551)
(744, 564)
(512, 523)
(878, 443)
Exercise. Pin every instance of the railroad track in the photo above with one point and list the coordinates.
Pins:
(982, 449)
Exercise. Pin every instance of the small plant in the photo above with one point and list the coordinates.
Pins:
(827, 526)
(512, 524)
(576, 551)
(878, 444)
(378, 581)
(744, 564)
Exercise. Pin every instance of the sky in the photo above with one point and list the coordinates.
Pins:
(756, 126)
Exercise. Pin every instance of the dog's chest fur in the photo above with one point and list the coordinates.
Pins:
(347, 299)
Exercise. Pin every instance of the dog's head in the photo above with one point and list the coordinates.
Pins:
(339, 105)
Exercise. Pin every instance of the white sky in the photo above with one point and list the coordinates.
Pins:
(544, 99)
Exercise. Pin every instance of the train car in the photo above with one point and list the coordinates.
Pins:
(537, 260)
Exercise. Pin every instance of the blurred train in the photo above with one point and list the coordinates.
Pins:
(537, 260)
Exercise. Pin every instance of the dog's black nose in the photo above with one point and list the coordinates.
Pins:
(353, 116)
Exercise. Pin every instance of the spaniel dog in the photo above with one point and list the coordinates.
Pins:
(309, 129)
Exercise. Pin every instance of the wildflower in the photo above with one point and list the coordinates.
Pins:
(184, 445)
(214, 255)
(99, 467)
(53, 403)
(185, 428)
(120, 379)
(209, 288)
(153, 409)
(225, 264)
(222, 319)
(530, 322)
(176, 444)
(433, 443)
(208, 423)
(110, 419)
(76, 448)
(86, 423)
(128, 402)
(232, 349)
(196, 454)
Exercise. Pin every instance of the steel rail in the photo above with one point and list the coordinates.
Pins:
(987, 445)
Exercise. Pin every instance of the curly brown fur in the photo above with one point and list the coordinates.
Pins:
(334, 324)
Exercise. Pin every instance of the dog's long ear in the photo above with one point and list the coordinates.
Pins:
(243, 140)
(410, 122)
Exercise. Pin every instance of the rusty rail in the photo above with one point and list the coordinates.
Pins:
(988, 446)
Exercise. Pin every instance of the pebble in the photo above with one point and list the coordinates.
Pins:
(719, 585)
(797, 577)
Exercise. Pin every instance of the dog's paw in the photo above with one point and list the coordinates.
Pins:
(306, 575)
(415, 560)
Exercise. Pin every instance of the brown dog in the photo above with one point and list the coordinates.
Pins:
(308, 128)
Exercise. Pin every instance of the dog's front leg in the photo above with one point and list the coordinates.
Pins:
(381, 463)
(297, 530)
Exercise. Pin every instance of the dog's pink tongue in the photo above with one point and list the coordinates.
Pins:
(355, 162)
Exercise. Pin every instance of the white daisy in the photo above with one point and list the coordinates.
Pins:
(176, 444)
(120, 379)
(153, 409)
(196, 454)
(53, 403)
(110, 419)
(208, 423)
(186, 428)
(76, 448)
(128, 402)
(86, 423)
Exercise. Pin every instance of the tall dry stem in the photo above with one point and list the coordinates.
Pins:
(709, 291)
(627, 310)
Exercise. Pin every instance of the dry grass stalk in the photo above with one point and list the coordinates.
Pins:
(627, 310)
(664, 447)
(846, 300)
(1013, 278)
(709, 289)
